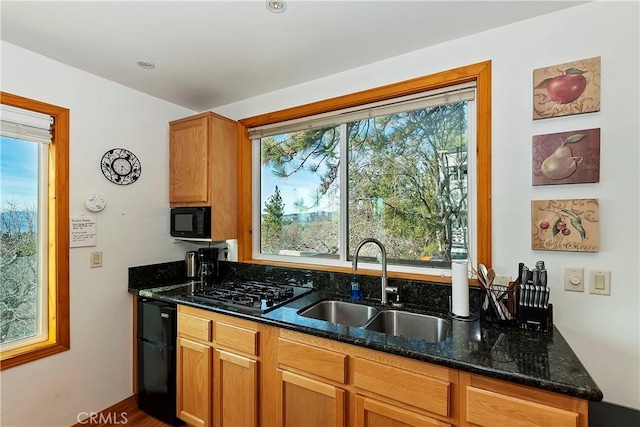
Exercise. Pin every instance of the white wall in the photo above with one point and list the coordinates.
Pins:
(603, 331)
(133, 230)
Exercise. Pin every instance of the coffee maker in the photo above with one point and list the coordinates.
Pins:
(208, 263)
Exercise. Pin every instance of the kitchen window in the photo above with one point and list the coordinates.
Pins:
(34, 282)
(408, 164)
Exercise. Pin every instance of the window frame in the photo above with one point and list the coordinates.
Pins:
(58, 333)
(479, 73)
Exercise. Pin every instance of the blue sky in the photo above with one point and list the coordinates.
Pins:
(302, 184)
(18, 171)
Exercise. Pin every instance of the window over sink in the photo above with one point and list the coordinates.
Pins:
(408, 164)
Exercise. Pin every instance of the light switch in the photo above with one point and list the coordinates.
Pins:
(600, 282)
(95, 259)
(574, 279)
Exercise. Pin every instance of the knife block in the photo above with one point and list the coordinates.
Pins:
(535, 318)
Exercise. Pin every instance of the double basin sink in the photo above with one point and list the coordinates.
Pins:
(391, 322)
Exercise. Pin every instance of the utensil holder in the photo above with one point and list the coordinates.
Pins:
(501, 304)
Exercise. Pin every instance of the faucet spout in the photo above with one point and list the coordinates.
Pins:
(383, 251)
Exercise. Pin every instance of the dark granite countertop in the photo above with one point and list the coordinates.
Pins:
(541, 360)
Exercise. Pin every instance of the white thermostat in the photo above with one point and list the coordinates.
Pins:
(95, 203)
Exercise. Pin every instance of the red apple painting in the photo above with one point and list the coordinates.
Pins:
(566, 157)
(566, 89)
(565, 225)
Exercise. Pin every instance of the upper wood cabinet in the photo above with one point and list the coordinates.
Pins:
(203, 169)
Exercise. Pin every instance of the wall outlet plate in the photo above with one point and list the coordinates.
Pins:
(95, 259)
(502, 279)
(600, 282)
(574, 279)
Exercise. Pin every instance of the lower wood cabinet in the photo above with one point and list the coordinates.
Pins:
(406, 384)
(494, 403)
(194, 382)
(218, 370)
(302, 401)
(237, 373)
(235, 392)
(373, 413)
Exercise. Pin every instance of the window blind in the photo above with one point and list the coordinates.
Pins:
(25, 125)
(449, 95)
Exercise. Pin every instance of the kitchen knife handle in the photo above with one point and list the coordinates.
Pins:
(546, 297)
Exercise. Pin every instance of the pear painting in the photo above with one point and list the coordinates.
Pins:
(566, 158)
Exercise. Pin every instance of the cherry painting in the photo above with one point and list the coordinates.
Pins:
(566, 89)
(565, 225)
(566, 157)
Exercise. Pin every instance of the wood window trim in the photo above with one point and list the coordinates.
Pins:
(480, 73)
(58, 255)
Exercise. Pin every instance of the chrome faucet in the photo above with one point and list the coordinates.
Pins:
(354, 263)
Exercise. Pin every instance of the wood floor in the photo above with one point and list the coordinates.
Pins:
(122, 414)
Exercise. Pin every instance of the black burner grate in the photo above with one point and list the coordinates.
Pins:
(253, 295)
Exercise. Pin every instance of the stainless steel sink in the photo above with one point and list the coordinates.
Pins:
(344, 313)
(410, 325)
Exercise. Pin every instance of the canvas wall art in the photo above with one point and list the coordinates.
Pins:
(566, 157)
(566, 89)
(565, 225)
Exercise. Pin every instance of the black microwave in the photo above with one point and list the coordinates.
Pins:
(193, 222)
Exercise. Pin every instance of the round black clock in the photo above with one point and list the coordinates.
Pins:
(120, 166)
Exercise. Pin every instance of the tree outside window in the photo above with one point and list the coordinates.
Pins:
(405, 184)
(19, 290)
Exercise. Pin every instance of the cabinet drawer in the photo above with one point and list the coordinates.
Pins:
(237, 338)
(195, 327)
(486, 408)
(317, 361)
(409, 387)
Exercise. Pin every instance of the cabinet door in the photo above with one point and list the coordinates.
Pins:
(189, 162)
(373, 413)
(310, 403)
(235, 390)
(489, 409)
(194, 382)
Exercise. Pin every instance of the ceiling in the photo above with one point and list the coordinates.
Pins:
(212, 53)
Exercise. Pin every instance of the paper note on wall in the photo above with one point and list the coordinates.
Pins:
(83, 231)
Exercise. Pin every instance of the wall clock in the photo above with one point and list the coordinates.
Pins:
(120, 166)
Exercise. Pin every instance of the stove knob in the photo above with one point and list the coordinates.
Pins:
(289, 292)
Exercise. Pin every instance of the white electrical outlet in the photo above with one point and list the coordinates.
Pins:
(574, 279)
(502, 280)
(95, 259)
(600, 282)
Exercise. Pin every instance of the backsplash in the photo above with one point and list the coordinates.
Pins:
(429, 295)
(425, 294)
(152, 275)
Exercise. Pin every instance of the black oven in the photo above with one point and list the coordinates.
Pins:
(192, 222)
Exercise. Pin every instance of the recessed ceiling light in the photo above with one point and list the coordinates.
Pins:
(276, 6)
(147, 65)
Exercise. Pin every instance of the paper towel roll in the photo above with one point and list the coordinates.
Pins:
(460, 288)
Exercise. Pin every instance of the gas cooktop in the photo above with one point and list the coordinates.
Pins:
(248, 294)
